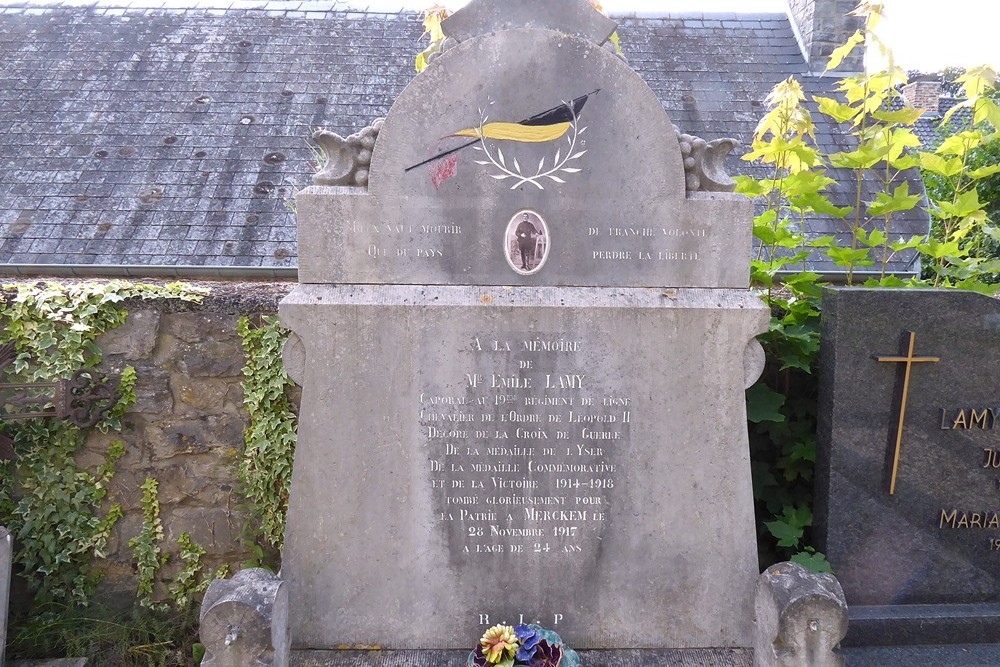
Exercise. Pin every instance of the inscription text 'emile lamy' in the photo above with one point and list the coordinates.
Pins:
(523, 448)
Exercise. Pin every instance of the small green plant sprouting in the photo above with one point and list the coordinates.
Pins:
(188, 583)
(185, 587)
(146, 546)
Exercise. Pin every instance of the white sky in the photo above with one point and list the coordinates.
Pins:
(925, 34)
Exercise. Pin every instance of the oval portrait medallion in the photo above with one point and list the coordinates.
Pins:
(526, 242)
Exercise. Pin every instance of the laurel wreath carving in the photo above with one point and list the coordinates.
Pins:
(559, 161)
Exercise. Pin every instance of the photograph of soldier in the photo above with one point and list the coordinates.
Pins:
(527, 243)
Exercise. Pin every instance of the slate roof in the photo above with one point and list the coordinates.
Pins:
(154, 134)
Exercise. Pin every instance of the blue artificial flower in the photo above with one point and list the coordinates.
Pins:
(528, 639)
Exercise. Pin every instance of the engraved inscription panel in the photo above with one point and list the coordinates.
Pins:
(524, 443)
(908, 486)
(365, 239)
(977, 431)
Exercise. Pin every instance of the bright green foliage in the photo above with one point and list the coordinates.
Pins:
(188, 583)
(789, 527)
(58, 512)
(432, 29)
(55, 326)
(57, 528)
(781, 407)
(812, 560)
(266, 466)
(126, 391)
(963, 181)
(146, 546)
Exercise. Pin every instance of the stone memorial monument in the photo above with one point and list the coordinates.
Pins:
(523, 333)
(908, 489)
(6, 564)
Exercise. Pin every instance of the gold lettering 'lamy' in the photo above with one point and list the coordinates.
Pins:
(967, 419)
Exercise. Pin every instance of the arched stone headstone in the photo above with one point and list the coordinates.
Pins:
(523, 361)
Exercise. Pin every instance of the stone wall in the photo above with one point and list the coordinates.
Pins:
(186, 428)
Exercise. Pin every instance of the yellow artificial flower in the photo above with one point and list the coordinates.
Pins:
(498, 640)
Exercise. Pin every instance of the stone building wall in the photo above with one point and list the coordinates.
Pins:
(186, 428)
(823, 25)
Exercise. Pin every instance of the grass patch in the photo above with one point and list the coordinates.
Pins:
(135, 637)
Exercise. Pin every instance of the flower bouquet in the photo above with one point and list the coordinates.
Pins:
(527, 645)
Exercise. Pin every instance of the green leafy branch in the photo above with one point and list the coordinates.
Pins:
(269, 441)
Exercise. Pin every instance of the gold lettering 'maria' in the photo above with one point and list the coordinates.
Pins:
(956, 519)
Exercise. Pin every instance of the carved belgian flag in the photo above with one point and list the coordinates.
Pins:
(546, 126)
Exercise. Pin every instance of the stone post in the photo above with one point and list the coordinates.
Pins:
(244, 621)
(801, 618)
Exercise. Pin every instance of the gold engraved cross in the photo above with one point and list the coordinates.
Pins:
(909, 360)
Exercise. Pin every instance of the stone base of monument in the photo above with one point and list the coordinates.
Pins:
(957, 655)
(923, 624)
(713, 657)
(801, 617)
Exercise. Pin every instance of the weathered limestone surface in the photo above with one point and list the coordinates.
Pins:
(244, 621)
(801, 618)
(732, 657)
(523, 345)
(365, 526)
(617, 210)
(6, 560)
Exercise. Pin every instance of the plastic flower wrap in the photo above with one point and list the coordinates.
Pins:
(522, 646)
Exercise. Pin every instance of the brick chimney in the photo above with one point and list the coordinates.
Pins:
(821, 26)
(923, 94)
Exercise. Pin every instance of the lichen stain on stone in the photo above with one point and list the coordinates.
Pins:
(22, 224)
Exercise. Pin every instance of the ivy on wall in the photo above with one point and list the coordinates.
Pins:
(58, 512)
(265, 471)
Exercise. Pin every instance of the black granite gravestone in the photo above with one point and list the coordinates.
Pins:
(908, 469)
